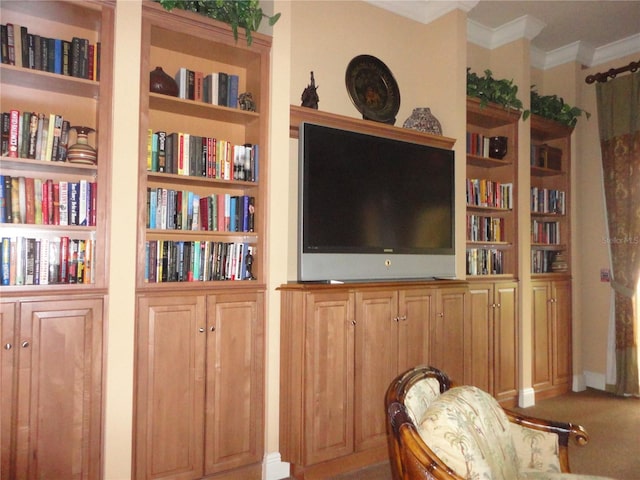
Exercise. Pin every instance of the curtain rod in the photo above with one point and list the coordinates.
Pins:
(603, 76)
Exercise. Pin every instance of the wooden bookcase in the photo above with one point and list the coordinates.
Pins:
(181, 39)
(82, 102)
(204, 334)
(550, 194)
(52, 331)
(492, 242)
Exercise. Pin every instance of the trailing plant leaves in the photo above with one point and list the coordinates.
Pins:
(554, 108)
(488, 89)
(245, 14)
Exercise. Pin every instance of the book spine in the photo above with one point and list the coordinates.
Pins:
(63, 203)
(5, 261)
(14, 128)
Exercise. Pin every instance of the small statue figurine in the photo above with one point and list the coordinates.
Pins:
(246, 102)
(310, 95)
(248, 260)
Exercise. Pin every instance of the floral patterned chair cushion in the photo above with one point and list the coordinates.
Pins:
(469, 431)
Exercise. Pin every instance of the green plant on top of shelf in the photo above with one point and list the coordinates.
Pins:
(554, 108)
(245, 14)
(500, 91)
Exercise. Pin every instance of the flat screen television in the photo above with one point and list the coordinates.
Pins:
(373, 208)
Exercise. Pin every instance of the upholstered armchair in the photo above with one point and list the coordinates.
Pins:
(440, 431)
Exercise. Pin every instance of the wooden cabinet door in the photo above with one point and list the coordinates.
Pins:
(481, 301)
(329, 376)
(376, 362)
(415, 310)
(448, 341)
(7, 390)
(561, 332)
(170, 387)
(505, 341)
(234, 408)
(542, 328)
(59, 390)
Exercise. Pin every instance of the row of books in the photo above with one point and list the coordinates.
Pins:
(546, 200)
(216, 88)
(485, 229)
(170, 209)
(199, 261)
(46, 202)
(477, 144)
(541, 260)
(45, 261)
(76, 57)
(39, 136)
(484, 261)
(486, 193)
(193, 155)
(547, 233)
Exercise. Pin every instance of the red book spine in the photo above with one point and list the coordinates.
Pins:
(64, 259)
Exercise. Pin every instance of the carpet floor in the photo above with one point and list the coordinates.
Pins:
(613, 424)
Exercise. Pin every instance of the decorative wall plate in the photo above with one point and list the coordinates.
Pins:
(372, 88)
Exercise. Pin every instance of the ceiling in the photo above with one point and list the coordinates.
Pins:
(588, 31)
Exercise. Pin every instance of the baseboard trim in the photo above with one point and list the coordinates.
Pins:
(579, 383)
(273, 468)
(595, 380)
(526, 398)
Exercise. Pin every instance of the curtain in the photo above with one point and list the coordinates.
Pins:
(618, 119)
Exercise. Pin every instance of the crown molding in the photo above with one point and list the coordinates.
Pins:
(526, 26)
(423, 11)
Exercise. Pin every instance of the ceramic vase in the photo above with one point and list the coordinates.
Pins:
(81, 151)
(423, 120)
(161, 82)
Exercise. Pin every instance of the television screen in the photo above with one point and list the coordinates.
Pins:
(373, 196)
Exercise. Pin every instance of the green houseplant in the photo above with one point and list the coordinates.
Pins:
(245, 14)
(554, 108)
(489, 89)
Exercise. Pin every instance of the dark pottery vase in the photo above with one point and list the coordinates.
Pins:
(498, 147)
(161, 82)
(81, 151)
(422, 119)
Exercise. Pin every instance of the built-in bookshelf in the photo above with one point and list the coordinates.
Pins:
(53, 212)
(491, 188)
(550, 196)
(203, 160)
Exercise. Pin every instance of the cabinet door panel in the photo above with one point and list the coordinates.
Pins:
(7, 391)
(505, 341)
(481, 326)
(542, 361)
(561, 306)
(329, 377)
(415, 308)
(170, 387)
(59, 395)
(234, 399)
(448, 333)
(376, 363)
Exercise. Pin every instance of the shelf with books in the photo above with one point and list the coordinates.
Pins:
(40, 105)
(491, 188)
(229, 143)
(550, 196)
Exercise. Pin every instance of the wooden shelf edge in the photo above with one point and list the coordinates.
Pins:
(491, 115)
(543, 129)
(297, 115)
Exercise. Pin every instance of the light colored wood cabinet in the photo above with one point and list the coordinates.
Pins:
(341, 347)
(52, 407)
(551, 317)
(199, 396)
(494, 338)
